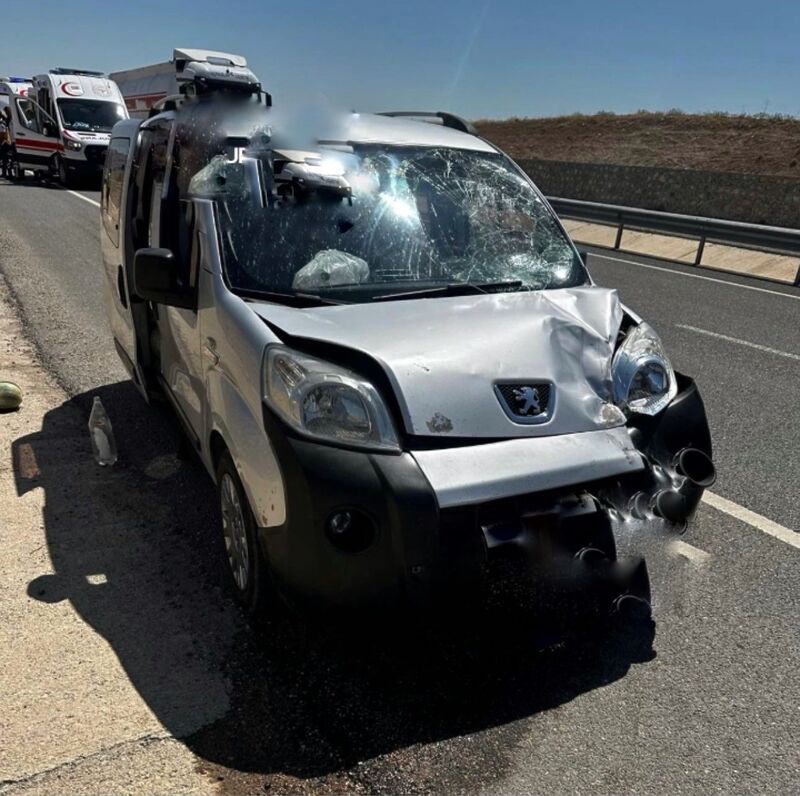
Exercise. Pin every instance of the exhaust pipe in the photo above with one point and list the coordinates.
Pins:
(698, 473)
(695, 466)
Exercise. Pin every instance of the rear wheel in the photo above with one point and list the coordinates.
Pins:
(245, 564)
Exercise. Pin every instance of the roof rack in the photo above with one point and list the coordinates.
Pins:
(445, 119)
(63, 70)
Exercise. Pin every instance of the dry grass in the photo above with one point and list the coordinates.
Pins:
(718, 141)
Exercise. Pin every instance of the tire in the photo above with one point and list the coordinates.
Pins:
(14, 171)
(64, 177)
(246, 568)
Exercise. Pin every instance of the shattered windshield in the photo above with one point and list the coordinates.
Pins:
(378, 222)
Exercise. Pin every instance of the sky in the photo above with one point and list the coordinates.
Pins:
(475, 58)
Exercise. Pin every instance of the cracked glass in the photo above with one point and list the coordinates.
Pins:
(362, 222)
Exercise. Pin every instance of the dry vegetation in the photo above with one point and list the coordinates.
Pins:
(708, 142)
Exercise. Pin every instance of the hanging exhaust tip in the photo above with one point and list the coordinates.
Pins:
(591, 556)
(695, 466)
(698, 473)
(629, 606)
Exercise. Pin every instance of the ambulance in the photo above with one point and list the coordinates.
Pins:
(10, 89)
(61, 123)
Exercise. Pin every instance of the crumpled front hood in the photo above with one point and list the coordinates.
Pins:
(443, 356)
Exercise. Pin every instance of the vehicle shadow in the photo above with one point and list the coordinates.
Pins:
(134, 549)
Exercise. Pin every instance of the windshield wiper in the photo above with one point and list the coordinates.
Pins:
(453, 289)
(292, 299)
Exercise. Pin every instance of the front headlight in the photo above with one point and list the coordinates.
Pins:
(643, 378)
(75, 146)
(327, 402)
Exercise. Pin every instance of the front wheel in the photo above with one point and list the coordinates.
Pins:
(64, 177)
(245, 564)
(14, 170)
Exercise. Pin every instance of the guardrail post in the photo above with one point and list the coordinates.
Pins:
(700, 247)
(618, 241)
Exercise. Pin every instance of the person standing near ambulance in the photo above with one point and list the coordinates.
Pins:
(5, 142)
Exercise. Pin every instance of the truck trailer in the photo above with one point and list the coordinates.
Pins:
(189, 71)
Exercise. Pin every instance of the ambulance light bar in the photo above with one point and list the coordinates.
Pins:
(63, 70)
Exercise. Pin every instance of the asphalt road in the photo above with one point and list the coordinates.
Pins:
(711, 706)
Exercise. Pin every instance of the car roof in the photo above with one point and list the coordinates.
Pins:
(374, 128)
(293, 129)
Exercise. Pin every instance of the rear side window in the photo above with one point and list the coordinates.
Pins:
(112, 185)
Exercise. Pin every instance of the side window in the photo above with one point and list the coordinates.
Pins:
(26, 111)
(112, 185)
(34, 118)
(159, 160)
(47, 120)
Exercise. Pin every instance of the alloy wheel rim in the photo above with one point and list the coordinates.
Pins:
(234, 532)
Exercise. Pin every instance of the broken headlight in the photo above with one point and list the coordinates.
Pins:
(325, 401)
(642, 376)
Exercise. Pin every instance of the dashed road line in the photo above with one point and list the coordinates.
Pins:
(739, 341)
(792, 538)
(85, 198)
(690, 552)
(697, 276)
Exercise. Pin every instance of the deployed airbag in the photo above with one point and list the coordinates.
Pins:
(331, 267)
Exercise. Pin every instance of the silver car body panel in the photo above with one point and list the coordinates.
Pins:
(478, 473)
(444, 356)
(232, 341)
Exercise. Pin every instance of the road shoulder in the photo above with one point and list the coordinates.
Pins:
(71, 720)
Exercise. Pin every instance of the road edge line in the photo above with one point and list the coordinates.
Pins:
(762, 524)
(85, 198)
(696, 276)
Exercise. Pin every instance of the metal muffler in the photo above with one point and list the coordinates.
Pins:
(695, 472)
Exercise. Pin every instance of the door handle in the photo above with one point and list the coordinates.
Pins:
(210, 351)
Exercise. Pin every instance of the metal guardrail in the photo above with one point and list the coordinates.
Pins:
(779, 240)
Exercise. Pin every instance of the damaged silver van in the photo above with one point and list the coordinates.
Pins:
(388, 354)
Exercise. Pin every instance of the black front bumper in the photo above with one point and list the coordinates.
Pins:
(419, 552)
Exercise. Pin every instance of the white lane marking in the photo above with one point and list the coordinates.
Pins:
(693, 554)
(697, 276)
(751, 518)
(85, 198)
(737, 340)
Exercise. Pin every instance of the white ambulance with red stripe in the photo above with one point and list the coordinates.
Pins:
(62, 124)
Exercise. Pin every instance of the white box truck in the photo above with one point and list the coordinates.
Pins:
(189, 71)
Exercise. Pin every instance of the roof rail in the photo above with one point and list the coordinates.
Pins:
(445, 119)
(63, 70)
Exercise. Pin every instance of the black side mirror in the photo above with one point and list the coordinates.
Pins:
(155, 278)
(584, 255)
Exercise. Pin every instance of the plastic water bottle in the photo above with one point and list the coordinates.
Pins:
(104, 446)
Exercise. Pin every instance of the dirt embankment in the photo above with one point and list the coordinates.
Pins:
(703, 142)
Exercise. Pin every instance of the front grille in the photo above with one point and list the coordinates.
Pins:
(526, 401)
